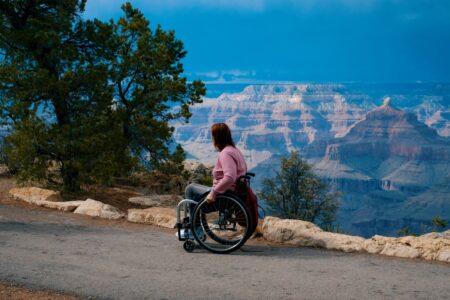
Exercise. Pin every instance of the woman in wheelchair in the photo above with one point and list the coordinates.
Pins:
(219, 219)
(230, 165)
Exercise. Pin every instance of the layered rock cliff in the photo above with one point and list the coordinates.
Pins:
(380, 156)
(386, 164)
(275, 119)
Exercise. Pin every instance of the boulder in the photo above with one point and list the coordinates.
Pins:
(426, 247)
(34, 194)
(156, 200)
(376, 244)
(400, 250)
(444, 255)
(341, 242)
(95, 208)
(62, 206)
(302, 233)
(44, 198)
(429, 248)
(160, 216)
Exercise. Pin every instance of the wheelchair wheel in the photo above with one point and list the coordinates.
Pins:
(189, 246)
(225, 224)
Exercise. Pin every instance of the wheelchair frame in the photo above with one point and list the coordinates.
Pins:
(185, 222)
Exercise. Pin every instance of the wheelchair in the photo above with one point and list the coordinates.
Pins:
(219, 227)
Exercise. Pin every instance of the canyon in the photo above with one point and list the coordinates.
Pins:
(384, 147)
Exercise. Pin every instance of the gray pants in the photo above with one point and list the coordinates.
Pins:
(195, 191)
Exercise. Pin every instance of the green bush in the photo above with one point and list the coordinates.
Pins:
(206, 180)
(439, 223)
(297, 193)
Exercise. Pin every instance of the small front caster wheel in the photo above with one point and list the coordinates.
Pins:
(189, 246)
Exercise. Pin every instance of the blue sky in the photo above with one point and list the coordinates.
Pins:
(243, 41)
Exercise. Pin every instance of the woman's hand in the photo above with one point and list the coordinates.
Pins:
(210, 198)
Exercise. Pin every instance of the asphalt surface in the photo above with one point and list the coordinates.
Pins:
(74, 255)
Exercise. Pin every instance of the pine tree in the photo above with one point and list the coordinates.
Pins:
(90, 99)
(297, 193)
(148, 87)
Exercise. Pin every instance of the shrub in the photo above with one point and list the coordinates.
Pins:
(297, 193)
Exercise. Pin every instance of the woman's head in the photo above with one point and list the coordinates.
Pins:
(221, 136)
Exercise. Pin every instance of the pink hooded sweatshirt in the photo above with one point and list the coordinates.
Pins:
(229, 167)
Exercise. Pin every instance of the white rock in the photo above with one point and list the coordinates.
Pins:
(301, 233)
(34, 194)
(426, 246)
(400, 250)
(376, 244)
(429, 248)
(341, 242)
(62, 206)
(95, 208)
(160, 216)
(44, 198)
(444, 255)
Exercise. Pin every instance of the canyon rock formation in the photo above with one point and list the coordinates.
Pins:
(384, 146)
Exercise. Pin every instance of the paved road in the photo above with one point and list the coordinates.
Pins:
(70, 254)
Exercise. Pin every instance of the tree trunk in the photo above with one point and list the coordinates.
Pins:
(70, 175)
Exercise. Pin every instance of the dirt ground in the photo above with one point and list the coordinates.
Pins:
(10, 292)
